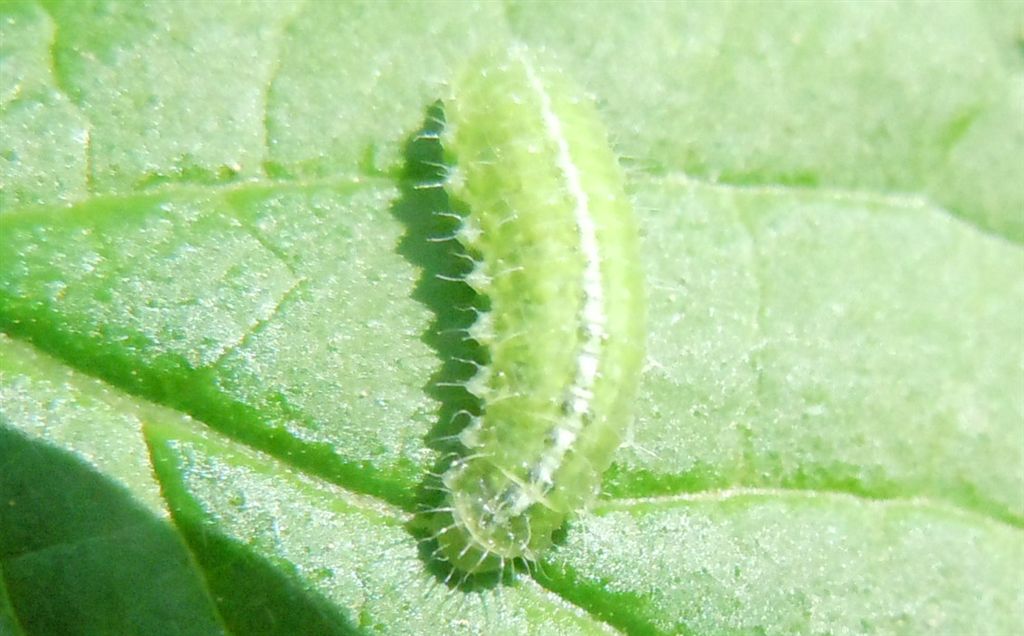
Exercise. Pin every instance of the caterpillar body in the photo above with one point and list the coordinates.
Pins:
(553, 235)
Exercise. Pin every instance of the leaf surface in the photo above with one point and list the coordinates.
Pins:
(227, 346)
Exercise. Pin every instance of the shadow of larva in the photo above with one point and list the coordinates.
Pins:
(429, 243)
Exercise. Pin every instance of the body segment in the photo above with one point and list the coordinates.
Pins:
(547, 218)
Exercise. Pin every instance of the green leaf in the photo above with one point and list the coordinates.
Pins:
(85, 542)
(841, 95)
(364, 566)
(227, 347)
(792, 562)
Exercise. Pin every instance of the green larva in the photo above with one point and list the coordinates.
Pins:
(546, 215)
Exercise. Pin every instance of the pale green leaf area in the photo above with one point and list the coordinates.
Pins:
(221, 301)
(828, 341)
(792, 562)
(921, 97)
(44, 146)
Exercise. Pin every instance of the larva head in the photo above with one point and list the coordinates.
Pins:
(493, 519)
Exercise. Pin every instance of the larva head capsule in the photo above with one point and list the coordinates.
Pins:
(493, 520)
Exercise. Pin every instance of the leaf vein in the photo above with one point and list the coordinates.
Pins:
(62, 85)
(903, 200)
(728, 494)
(275, 72)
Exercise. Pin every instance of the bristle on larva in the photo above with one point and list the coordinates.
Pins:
(546, 217)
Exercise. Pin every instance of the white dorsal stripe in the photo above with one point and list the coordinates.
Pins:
(593, 316)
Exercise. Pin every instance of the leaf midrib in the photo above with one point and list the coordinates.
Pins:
(714, 494)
